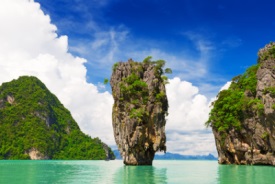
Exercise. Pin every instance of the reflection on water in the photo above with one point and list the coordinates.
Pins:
(54, 172)
(140, 174)
(106, 172)
(81, 172)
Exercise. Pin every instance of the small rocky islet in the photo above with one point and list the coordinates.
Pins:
(139, 110)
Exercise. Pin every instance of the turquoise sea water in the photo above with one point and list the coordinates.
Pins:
(189, 172)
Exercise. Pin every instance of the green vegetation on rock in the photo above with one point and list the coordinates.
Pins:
(31, 117)
(106, 81)
(133, 87)
(242, 117)
(115, 66)
(270, 90)
(267, 53)
(229, 110)
(139, 110)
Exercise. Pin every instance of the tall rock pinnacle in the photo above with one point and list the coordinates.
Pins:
(139, 110)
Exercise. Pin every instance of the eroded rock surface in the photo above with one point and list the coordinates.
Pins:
(139, 110)
(34, 154)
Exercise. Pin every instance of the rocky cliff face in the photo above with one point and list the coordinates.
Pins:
(251, 139)
(139, 110)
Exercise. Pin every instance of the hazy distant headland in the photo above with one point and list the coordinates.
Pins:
(175, 156)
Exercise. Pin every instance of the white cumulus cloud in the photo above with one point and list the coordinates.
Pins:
(188, 111)
(30, 46)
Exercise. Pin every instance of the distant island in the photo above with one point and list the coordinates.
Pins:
(35, 125)
(175, 156)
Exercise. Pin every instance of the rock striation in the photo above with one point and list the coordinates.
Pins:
(244, 128)
(139, 110)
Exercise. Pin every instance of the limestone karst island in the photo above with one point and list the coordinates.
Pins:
(139, 109)
(35, 125)
(243, 117)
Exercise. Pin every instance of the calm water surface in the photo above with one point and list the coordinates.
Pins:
(197, 172)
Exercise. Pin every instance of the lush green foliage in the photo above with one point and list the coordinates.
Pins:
(134, 87)
(32, 117)
(230, 108)
(106, 81)
(115, 66)
(270, 90)
(168, 70)
(134, 90)
(255, 104)
(159, 68)
(247, 81)
(227, 110)
(269, 54)
(147, 60)
(164, 79)
(160, 96)
(265, 135)
(138, 113)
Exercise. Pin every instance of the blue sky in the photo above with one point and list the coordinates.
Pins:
(228, 32)
(71, 45)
